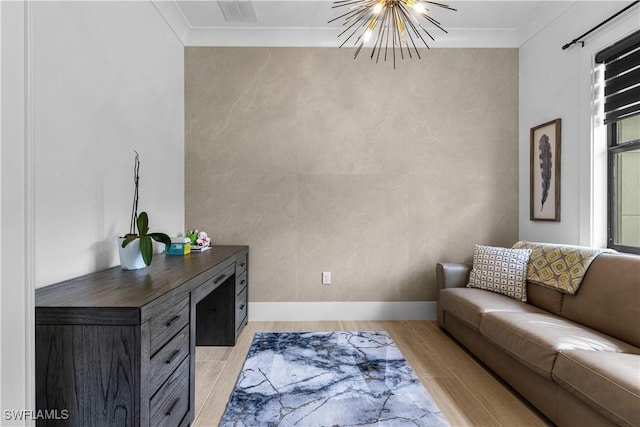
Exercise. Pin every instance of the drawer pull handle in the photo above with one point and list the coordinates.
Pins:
(242, 264)
(170, 322)
(242, 281)
(241, 307)
(172, 406)
(173, 356)
(220, 278)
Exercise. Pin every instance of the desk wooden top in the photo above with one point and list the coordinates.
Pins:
(118, 288)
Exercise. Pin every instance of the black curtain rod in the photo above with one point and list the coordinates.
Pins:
(579, 39)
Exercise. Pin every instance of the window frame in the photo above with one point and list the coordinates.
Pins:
(614, 148)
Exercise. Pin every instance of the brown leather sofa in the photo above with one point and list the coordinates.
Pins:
(574, 357)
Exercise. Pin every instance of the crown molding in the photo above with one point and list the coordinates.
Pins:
(328, 37)
(174, 18)
(545, 15)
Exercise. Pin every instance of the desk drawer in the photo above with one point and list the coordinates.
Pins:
(213, 283)
(241, 262)
(170, 404)
(241, 282)
(241, 307)
(166, 324)
(168, 358)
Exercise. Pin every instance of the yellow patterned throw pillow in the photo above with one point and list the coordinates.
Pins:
(500, 270)
(560, 267)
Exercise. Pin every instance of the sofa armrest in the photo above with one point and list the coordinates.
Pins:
(452, 275)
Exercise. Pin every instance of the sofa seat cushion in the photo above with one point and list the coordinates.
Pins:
(608, 382)
(536, 338)
(469, 304)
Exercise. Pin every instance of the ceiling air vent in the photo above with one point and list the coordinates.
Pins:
(238, 10)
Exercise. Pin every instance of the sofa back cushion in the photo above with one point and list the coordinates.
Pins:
(608, 299)
(545, 298)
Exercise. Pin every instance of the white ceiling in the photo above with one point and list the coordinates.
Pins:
(305, 22)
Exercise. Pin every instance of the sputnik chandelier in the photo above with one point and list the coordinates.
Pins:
(396, 21)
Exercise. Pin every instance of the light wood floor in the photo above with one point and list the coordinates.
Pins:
(464, 391)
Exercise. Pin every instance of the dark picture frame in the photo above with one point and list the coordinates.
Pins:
(544, 204)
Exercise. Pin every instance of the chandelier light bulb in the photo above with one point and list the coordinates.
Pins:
(399, 26)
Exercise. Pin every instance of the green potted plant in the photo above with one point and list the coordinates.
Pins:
(136, 247)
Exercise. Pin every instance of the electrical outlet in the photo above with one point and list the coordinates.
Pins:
(326, 277)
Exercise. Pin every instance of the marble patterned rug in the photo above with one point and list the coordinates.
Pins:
(328, 379)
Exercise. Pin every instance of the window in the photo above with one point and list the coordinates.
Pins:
(622, 118)
(624, 185)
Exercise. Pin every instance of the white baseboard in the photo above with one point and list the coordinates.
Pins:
(359, 310)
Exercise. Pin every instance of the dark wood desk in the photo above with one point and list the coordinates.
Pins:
(117, 347)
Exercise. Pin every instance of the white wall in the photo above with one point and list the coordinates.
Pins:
(558, 84)
(108, 79)
(82, 86)
(15, 319)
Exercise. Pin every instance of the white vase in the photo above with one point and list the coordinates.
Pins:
(130, 257)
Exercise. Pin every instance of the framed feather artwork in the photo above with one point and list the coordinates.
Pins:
(545, 171)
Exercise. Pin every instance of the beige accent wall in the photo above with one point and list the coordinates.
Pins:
(323, 163)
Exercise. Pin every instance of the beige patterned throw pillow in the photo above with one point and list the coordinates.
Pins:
(500, 270)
